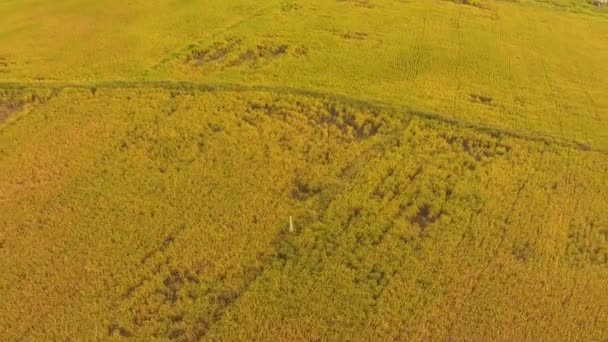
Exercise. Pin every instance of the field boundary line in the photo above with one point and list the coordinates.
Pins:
(287, 90)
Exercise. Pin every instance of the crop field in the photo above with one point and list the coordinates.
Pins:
(321, 170)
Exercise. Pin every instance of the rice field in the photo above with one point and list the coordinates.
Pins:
(303, 170)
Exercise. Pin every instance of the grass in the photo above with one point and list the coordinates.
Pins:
(443, 164)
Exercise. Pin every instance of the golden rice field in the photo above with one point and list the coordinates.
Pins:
(288, 170)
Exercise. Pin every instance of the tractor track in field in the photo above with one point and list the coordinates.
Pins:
(459, 62)
(286, 90)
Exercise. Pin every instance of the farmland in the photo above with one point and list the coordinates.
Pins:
(444, 164)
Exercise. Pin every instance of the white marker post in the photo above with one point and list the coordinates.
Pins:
(290, 224)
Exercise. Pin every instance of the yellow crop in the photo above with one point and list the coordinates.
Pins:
(323, 170)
